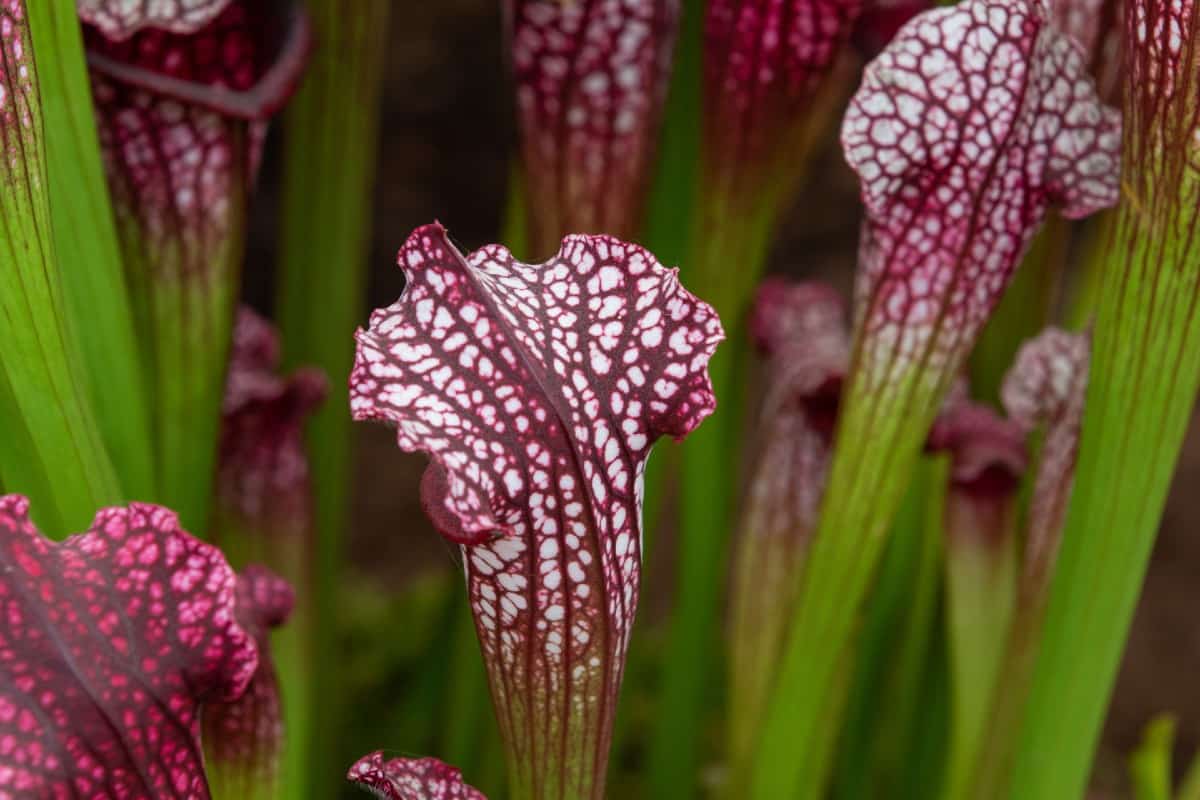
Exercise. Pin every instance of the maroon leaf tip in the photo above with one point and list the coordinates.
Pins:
(1047, 386)
(1047, 381)
(802, 329)
(987, 450)
(411, 779)
(787, 313)
(484, 360)
(591, 78)
(263, 467)
(265, 600)
(538, 391)
(243, 738)
(970, 123)
(113, 640)
(181, 120)
(120, 19)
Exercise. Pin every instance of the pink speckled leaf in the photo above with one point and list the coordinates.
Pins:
(538, 390)
(1046, 387)
(120, 19)
(411, 779)
(591, 78)
(802, 329)
(112, 641)
(263, 476)
(764, 61)
(180, 120)
(972, 122)
(243, 739)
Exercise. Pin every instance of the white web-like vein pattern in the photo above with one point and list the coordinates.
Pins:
(970, 124)
(120, 19)
(538, 391)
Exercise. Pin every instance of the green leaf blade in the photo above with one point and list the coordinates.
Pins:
(41, 366)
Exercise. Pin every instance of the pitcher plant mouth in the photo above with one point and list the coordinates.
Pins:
(281, 42)
(537, 390)
(953, 198)
(120, 19)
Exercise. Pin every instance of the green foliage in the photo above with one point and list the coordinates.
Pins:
(330, 152)
(1145, 373)
(59, 459)
(878, 442)
(88, 254)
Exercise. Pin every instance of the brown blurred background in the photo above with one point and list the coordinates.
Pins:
(447, 133)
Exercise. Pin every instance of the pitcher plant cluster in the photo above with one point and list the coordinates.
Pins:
(897, 554)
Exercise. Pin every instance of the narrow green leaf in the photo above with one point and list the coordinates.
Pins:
(330, 151)
(22, 462)
(895, 643)
(866, 486)
(89, 257)
(1146, 369)
(42, 370)
(909, 741)
(1150, 764)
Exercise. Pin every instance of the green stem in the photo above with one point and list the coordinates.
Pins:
(981, 583)
(85, 238)
(668, 223)
(883, 424)
(329, 171)
(187, 310)
(1084, 296)
(907, 736)
(708, 480)
(895, 644)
